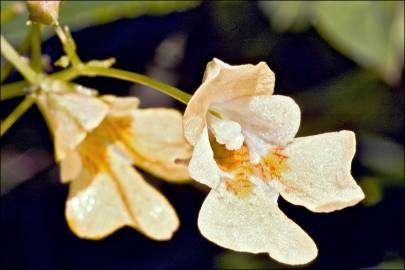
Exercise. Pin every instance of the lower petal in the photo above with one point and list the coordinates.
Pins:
(94, 208)
(100, 204)
(151, 211)
(318, 175)
(254, 224)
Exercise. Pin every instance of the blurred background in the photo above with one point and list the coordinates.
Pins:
(341, 61)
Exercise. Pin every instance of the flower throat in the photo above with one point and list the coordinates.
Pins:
(238, 163)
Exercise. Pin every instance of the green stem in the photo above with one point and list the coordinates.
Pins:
(11, 55)
(12, 90)
(68, 45)
(65, 74)
(8, 67)
(136, 78)
(17, 113)
(36, 54)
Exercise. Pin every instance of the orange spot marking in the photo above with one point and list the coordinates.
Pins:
(237, 162)
(241, 187)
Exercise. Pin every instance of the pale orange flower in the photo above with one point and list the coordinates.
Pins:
(106, 192)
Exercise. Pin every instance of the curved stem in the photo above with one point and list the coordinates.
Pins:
(17, 113)
(136, 78)
(68, 45)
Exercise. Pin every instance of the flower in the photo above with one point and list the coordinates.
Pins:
(245, 150)
(45, 12)
(106, 192)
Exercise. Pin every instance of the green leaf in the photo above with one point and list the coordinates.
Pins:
(238, 260)
(390, 264)
(81, 14)
(288, 15)
(369, 32)
(384, 156)
(354, 99)
(372, 190)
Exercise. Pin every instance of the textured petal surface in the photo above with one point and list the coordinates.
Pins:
(273, 119)
(254, 224)
(88, 111)
(69, 117)
(318, 175)
(158, 144)
(102, 203)
(202, 166)
(153, 214)
(120, 106)
(223, 82)
(94, 208)
(226, 132)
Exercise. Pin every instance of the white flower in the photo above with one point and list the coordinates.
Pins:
(249, 156)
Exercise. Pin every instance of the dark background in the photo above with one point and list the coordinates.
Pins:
(34, 233)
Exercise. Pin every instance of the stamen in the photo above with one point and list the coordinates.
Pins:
(238, 163)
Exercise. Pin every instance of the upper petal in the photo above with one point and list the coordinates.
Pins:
(157, 144)
(120, 106)
(273, 119)
(88, 111)
(223, 82)
(318, 175)
(70, 116)
(254, 224)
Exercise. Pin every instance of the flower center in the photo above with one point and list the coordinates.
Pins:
(93, 150)
(238, 167)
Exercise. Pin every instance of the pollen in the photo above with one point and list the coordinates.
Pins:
(241, 187)
(272, 165)
(238, 164)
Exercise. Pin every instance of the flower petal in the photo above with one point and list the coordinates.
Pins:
(254, 224)
(94, 208)
(226, 132)
(88, 111)
(70, 166)
(318, 175)
(202, 166)
(157, 143)
(120, 106)
(100, 204)
(69, 117)
(273, 119)
(152, 212)
(223, 82)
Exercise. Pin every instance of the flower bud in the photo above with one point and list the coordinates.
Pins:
(45, 12)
